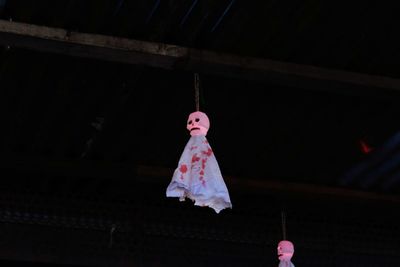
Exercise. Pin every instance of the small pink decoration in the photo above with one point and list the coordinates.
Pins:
(198, 176)
(198, 123)
(285, 253)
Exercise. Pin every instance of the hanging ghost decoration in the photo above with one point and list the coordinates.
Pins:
(285, 253)
(198, 176)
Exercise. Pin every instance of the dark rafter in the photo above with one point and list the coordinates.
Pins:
(174, 57)
(158, 176)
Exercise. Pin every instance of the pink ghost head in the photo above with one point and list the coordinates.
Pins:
(285, 250)
(198, 123)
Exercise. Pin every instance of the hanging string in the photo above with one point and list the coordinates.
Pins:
(197, 91)
(113, 228)
(283, 215)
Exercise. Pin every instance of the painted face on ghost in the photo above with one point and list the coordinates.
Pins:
(198, 123)
(285, 250)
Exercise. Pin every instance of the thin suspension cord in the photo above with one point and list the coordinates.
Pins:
(113, 228)
(197, 90)
(283, 215)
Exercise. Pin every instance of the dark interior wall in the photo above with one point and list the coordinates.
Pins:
(58, 213)
(151, 230)
(62, 107)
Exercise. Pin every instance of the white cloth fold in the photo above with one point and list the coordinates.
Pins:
(198, 177)
(286, 264)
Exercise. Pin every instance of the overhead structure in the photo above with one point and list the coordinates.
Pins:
(173, 57)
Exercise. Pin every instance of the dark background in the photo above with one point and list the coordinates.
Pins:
(89, 145)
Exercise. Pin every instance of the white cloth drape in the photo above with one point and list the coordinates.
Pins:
(286, 264)
(198, 177)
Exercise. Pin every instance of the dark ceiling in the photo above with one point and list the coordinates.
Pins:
(349, 36)
(278, 132)
(83, 126)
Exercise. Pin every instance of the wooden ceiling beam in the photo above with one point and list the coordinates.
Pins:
(159, 176)
(173, 57)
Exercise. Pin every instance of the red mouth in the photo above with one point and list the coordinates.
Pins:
(195, 128)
